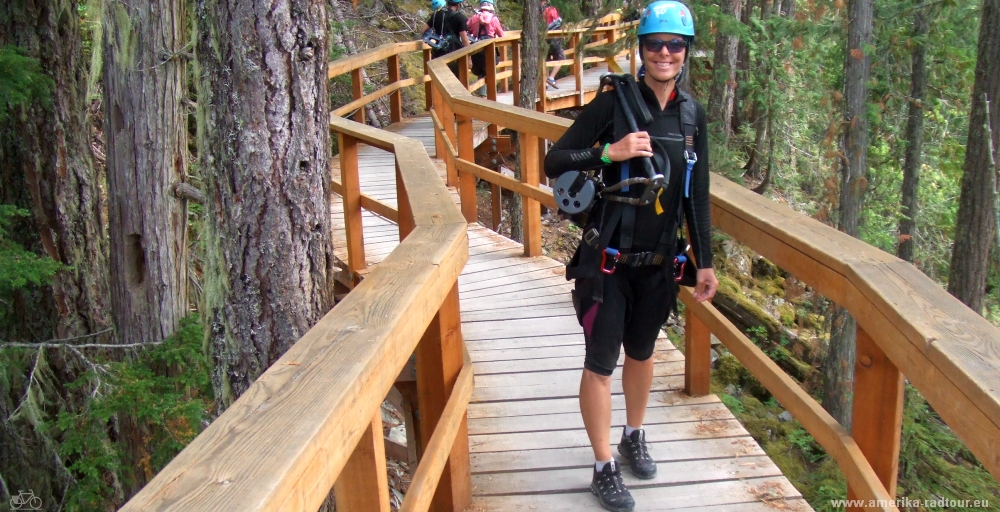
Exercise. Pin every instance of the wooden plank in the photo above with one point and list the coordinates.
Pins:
(698, 357)
(568, 405)
(568, 438)
(531, 215)
(477, 331)
(363, 485)
(877, 410)
(562, 389)
(500, 314)
(573, 420)
(439, 362)
(526, 343)
(729, 494)
(556, 377)
(352, 205)
(568, 357)
(681, 473)
(439, 449)
(582, 456)
(521, 275)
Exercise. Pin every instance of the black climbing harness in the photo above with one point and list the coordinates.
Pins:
(576, 192)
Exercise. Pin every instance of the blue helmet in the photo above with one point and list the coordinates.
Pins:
(437, 5)
(667, 17)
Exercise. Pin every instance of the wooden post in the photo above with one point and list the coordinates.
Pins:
(496, 195)
(491, 81)
(439, 146)
(357, 91)
(439, 360)
(406, 222)
(463, 71)
(428, 85)
(504, 50)
(352, 205)
(542, 104)
(363, 485)
(578, 70)
(515, 70)
(447, 116)
(632, 57)
(877, 411)
(396, 98)
(697, 355)
(466, 181)
(531, 216)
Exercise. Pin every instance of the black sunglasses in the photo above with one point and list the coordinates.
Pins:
(673, 45)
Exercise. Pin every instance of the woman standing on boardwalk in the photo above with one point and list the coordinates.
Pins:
(625, 282)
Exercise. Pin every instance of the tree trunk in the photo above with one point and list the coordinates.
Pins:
(265, 147)
(48, 170)
(761, 112)
(740, 106)
(145, 126)
(976, 223)
(723, 91)
(532, 71)
(50, 147)
(839, 367)
(915, 135)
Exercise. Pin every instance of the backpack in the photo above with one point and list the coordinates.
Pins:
(439, 38)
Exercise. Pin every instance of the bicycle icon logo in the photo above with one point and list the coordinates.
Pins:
(26, 501)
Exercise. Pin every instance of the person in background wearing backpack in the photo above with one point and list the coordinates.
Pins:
(485, 24)
(448, 25)
(625, 267)
(553, 22)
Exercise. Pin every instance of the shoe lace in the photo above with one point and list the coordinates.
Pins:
(613, 481)
(641, 451)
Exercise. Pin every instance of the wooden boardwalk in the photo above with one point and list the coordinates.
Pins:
(529, 450)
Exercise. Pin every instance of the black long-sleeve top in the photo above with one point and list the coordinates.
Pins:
(576, 150)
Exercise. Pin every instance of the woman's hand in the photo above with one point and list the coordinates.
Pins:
(707, 284)
(631, 146)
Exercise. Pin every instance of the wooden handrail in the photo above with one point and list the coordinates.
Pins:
(948, 352)
(832, 436)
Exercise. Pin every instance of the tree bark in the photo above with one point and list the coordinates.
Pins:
(761, 112)
(265, 147)
(724, 76)
(48, 170)
(145, 85)
(740, 107)
(976, 223)
(839, 367)
(532, 71)
(50, 149)
(915, 135)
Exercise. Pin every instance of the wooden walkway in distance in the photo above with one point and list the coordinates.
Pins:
(529, 450)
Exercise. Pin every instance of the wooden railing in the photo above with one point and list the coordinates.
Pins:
(907, 324)
(313, 420)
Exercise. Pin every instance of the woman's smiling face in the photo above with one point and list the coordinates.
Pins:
(661, 61)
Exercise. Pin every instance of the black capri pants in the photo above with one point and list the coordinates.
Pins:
(637, 301)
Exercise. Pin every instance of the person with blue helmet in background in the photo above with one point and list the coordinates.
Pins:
(445, 31)
(622, 300)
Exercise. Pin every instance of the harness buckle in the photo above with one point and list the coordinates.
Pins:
(591, 237)
(614, 260)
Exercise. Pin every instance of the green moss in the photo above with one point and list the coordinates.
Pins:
(726, 284)
(786, 313)
(729, 370)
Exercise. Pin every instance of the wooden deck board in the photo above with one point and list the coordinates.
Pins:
(529, 450)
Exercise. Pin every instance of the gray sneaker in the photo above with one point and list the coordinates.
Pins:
(608, 486)
(635, 451)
